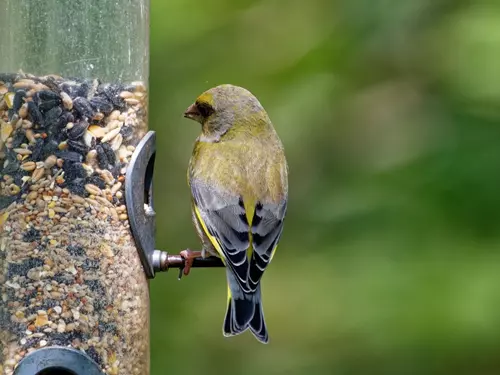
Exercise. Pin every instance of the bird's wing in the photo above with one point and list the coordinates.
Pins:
(224, 221)
(267, 225)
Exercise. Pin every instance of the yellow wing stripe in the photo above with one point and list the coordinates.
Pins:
(215, 243)
(249, 207)
(212, 239)
(272, 254)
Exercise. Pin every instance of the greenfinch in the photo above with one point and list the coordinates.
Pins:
(238, 177)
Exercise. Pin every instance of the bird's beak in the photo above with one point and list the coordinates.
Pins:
(192, 112)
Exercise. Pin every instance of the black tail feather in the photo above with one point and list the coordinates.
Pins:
(244, 313)
(258, 324)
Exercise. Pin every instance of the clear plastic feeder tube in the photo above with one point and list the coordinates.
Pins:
(73, 106)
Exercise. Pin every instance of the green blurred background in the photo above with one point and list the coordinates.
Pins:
(389, 112)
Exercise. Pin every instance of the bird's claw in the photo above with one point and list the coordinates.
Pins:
(188, 256)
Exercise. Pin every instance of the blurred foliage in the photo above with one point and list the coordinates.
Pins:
(389, 113)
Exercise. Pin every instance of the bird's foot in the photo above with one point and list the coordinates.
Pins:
(188, 256)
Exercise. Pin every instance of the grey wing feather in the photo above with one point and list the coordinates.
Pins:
(224, 216)
(267, 226)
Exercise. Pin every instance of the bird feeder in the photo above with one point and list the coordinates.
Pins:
(73, 110)
(77, 223)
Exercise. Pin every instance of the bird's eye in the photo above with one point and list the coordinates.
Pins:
(205, 109)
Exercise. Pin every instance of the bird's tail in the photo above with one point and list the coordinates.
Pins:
(244, 310)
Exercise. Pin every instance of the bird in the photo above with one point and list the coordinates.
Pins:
(238, 177)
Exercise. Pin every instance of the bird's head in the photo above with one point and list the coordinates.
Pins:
(225, 106)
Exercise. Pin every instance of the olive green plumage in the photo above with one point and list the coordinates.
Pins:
(239, 183)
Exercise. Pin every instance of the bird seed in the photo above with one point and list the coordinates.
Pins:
(70, 273)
